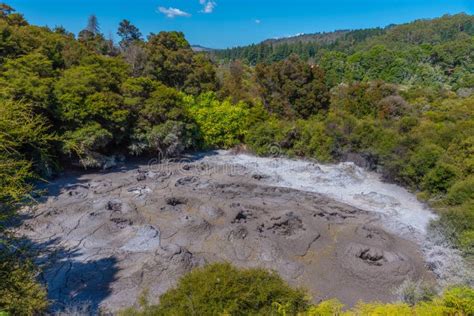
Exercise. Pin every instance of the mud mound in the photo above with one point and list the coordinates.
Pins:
(106, 237)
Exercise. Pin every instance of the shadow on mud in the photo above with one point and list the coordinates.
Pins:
(71, 284)
(78, 284)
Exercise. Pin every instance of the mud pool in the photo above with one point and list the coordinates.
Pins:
(336, 230)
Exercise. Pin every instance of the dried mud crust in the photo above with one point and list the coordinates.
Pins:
(106, 237)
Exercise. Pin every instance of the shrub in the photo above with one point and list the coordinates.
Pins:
(222, 124)
(265, 138)
(87, 143)
(461, 191)
(439, 179)
(411, 292)
(24, 145)
(20, 293)
(466, 242)
(460, 221)
(392, 106)
(220, 289)
(454, 301)
(170, 138)
(459, 299)
(314, 141)
(420, 162)
(326, 308)
(381, 309)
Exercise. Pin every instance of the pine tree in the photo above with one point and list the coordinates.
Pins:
(93, 25)
(129, 33)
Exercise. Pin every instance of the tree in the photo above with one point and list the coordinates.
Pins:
(24, 152)
(161, 121)
(90, 107)
(23, 139)
(28, 78)
(237, 82)
(136, 56)
(292, 88)
(20, 292)
(368, 99)
(95, 43)
(94, 40)
(93, 25)
(202, 77)
(129, 33)
(5, 10)
(171, 60)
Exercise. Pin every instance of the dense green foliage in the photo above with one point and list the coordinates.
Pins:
(23, 142)
(291, 88)
(401, 98)
(220, 289)
(222, 124)
(20, 293)
(425, 52)
(454, 301)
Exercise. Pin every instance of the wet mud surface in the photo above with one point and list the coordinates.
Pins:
(105, 237)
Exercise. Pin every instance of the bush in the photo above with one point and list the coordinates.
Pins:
(87, 143)
(459, 299)
(24, 146)
(222, 124)
(171, 138)
(420, 162)
(265, 138)
(461, 191)
(411, 292)
(20, 293)
(314, 141)
(220, 289)
(454, 301)
(460, 221)
(439, 179)
(326, 308)
(466, 242)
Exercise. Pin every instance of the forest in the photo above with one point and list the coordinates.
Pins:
(401, 98)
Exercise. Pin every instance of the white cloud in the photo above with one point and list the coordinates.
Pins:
(208, 6)
(173, 12)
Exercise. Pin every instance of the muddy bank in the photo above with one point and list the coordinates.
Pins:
(107, 236)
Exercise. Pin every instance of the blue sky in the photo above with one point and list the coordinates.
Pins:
(227, 23)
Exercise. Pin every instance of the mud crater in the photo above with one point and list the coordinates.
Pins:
(145, 227)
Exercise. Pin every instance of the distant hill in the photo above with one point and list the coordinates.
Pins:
(199, 48)
(310, 46)
(325, 37)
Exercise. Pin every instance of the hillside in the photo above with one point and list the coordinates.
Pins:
(199, 48)
(320, 38)
(310, 46)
